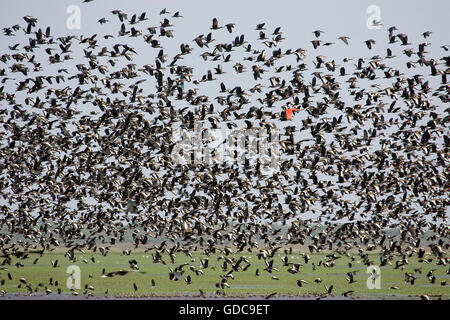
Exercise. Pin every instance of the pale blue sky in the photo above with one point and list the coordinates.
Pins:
(297, 19)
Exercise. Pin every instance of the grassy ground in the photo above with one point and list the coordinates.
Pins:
(38, 275)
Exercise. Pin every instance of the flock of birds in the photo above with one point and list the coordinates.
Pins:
(85, 156)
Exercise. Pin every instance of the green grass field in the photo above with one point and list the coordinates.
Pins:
(245, 283)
